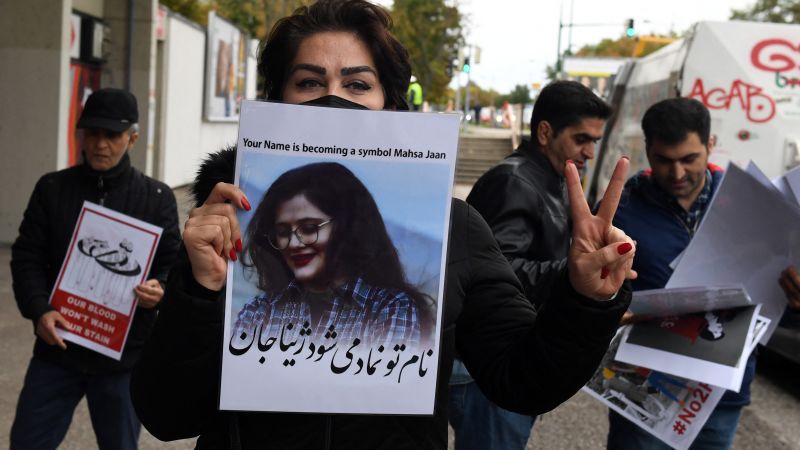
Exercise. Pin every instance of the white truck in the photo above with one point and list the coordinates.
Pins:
(748, 75)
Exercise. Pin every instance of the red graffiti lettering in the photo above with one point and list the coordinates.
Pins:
(771, 55)
(758, 106)
(785, 81)
(687, 416)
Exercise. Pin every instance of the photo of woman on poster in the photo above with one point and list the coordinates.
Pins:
(324, 262)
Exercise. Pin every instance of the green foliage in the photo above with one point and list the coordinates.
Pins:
(432, 33)
(777, 11)
(254, 16)
(193, 10)
(620, 47)
(521, 94)
(480, 96)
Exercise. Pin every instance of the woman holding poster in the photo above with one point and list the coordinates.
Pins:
(322, 255)
(341, 53)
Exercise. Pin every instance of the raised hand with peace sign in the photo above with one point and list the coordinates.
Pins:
(600, 255)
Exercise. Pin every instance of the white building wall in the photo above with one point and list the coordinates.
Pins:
(34, 100)
(187, 137)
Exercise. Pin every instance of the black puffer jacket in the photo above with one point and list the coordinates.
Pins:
(44, 238)
(525, 363)
(525, 203)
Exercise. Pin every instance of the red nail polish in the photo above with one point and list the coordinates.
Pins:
(624, 248)
(604, 273)
(239, 245)
(246, 204)
(569, 161)
(233, 255)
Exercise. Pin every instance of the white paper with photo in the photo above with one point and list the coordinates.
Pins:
(673, 409)
(713, 346)
(678, 301)
(749, 235)
(109, 254)
(406, 162)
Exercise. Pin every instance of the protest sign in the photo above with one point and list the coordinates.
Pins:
(335, 306)
(109, 254)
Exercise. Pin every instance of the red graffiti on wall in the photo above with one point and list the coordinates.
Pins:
(775, 55)
(758, 106)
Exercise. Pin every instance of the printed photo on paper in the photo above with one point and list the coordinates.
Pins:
(335, 303)
(671, 408)
(713, 346)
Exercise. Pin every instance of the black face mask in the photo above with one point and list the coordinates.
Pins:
(332, 101)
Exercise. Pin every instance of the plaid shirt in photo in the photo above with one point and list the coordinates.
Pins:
(376, 316)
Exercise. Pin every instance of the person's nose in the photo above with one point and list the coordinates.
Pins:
(678, 172)
(294, 241)
(102, 141)
(588, 150)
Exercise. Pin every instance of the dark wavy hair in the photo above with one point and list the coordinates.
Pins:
(370, 23)
(359, 245)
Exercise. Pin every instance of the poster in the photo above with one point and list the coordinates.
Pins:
(673, 409)
(711, 346)
(335, 304)
(226, 69)
(109, 254)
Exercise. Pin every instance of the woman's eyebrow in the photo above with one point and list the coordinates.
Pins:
(310, 67)
(358, 69)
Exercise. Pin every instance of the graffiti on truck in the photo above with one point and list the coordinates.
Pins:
(758, 106)
(778, 56)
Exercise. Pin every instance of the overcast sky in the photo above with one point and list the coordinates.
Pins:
(519, 38)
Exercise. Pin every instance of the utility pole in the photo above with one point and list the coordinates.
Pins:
(459, 69)
(467, 68)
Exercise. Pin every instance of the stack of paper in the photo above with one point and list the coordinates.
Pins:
(668, 373)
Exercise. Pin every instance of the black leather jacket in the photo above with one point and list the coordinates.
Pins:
(524, 201)
(524, 361)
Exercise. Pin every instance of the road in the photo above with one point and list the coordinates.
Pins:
(771, 422)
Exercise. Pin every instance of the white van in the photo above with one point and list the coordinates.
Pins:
(746, 73)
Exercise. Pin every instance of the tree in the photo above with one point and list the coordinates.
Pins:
(620, 47)
(480, 96)
(520, 95)
(254, 16)
(778, 11)
(432, 33)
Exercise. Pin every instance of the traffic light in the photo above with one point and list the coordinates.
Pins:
(630, 31)
(466, 67)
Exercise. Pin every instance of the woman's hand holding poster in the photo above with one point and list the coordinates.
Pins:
(335, 303)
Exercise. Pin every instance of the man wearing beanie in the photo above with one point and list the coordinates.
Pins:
(60, 374)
